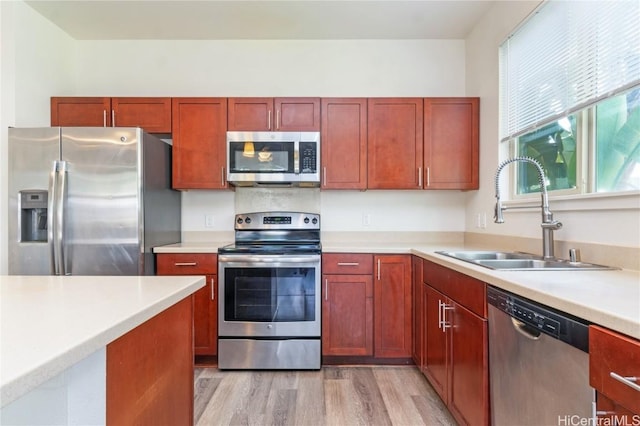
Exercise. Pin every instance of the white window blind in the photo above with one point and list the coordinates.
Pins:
(566, 56)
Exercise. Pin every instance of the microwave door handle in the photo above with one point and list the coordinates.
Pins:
(296, 157)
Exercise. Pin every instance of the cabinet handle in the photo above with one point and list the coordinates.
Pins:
(428, 177)
(223, 177)
(419, 177)
(113, 118)
(104, 118)
(378, 269)
(442, 315)
(186, 263)
(277, 119)
(326, 289)
(269, 119)
(324, 176)
(629, 381)
(213, 286)
(348, 263)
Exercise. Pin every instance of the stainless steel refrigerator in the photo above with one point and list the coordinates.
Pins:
(89, 201)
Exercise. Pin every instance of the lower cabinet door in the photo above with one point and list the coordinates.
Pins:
(347, 315)
(205, 318)
(436, 342)
(469, 380)
(392, 289)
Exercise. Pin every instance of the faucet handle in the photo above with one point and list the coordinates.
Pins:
(574, 255)
(497, 213)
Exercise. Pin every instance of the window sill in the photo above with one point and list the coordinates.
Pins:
(629, 200)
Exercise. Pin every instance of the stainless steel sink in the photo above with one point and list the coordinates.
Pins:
(518, 261)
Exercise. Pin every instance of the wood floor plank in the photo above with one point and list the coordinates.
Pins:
(204, 389)
(310, 399)
(372, 406)
(227, 399)
(400, 406)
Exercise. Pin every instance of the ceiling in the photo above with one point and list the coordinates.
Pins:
(262, 19)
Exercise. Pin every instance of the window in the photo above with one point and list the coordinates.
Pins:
(570, 97)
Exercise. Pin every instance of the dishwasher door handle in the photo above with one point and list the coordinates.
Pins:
(522, 328)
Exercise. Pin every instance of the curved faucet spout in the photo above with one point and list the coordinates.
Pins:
(548, 224)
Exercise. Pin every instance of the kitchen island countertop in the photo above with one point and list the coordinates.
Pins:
(49, 323)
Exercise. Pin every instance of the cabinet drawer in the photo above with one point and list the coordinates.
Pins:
(613, 353)
(186, 263)
(346, 264)
(463, 289)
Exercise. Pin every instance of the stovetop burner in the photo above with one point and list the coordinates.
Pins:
(275, 233)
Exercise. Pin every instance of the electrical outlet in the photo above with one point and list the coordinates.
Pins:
(481, 220)
(366, 219)
(208, 221)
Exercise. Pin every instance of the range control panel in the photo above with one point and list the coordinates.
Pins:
(277, 220)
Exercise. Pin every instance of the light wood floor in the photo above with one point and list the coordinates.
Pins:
(335, 395)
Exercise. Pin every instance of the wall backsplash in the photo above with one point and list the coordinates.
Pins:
(277, 199)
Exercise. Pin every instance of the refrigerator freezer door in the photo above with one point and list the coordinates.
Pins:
(32, 156)
(102, 214)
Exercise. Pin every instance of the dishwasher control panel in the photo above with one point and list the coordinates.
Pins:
(545, 319)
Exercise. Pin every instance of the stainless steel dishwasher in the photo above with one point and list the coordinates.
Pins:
(538, 363)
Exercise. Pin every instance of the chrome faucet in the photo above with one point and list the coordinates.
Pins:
(548, 224)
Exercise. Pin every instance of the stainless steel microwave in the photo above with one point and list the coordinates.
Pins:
(273, 158)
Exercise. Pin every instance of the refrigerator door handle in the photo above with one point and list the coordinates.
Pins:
(51, 208)
(60, 212)
(56, 232)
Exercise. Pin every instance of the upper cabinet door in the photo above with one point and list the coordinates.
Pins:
(451, 143)
(199, 143)
(297, 114)
(344, 143)
(152, 114)
(274, 114)
(250, 114)
(80, 112)
(395, 143)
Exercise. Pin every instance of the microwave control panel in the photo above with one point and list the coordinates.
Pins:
(308, 157)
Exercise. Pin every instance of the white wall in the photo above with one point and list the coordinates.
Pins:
(366, 68)
(37, 60)
(609, 221)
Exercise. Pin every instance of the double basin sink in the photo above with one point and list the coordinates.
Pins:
(518, 261)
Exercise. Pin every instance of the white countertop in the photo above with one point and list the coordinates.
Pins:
(609, 298)
(49, 323)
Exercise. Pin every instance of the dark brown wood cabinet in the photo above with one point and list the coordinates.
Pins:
(151, 114)
(205, 313)
(456, 346)
(150, 371)
(394, 143)
(417, 351)
(344, 143)
(614, 368)
(451, 143)
(347, 305)
(274, 114)
(199, 143)
(392, 298)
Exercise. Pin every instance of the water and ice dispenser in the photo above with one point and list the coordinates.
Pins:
(33, 216)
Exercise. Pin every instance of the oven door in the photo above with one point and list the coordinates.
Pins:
(269, 296)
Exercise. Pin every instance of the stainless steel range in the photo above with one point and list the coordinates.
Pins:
(269, 293)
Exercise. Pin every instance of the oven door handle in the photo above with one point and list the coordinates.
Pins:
(268, 259)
